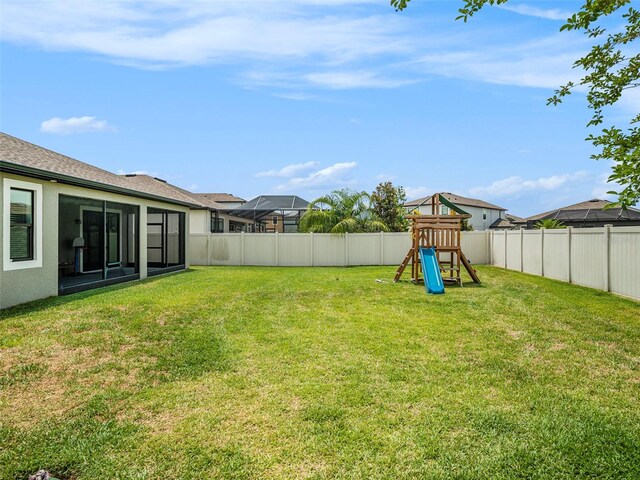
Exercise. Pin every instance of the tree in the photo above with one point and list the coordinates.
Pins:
(386, 204)
(341, 211)
(610, 68)
(549, 224)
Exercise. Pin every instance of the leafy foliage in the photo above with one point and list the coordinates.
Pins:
(611, 67)
(341, 211)
(386, 203)
(550, 224)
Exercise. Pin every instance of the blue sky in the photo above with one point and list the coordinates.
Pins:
(306, 96)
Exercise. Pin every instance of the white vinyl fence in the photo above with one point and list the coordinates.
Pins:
(606, 258)
(316, 249)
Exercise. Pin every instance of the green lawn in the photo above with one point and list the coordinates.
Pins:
(241, 372)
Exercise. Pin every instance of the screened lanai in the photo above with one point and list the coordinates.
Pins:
(273, 213)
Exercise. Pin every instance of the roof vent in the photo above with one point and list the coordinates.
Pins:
(160, 180)
(130, 174)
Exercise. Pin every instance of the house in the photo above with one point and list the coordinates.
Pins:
(591, 213)
(273, 213)
(483, 214)
(215, 216)
(509, 222)
(227, 200)
(68, 226)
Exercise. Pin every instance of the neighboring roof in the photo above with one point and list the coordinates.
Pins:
(265, 204)
(502, 223)
(591, 210)
(220, 197)
(514, 218)
(19, 156)
(456, 199)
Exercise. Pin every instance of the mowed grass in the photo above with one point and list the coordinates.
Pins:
(240, 372)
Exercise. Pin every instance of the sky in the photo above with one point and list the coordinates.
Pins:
(307, 96)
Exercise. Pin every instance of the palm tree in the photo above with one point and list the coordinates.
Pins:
(341, 211)
(549, 224)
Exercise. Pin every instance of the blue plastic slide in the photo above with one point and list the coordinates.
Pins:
(431, 271)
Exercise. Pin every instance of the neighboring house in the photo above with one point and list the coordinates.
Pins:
(273, 213)
(591, 213)
(215, 217)
(509, 222)
(227, 200)
(483, 214)
(68, 226)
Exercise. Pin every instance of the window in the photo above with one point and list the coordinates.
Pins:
(445, 210)
(22, 225)
(484, 215)
(217, 223)
(274, 220)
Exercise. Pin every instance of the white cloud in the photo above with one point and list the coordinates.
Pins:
(64, 126)
(293, 96)
(173, 33)
(528, 10)
(289, 170)
(413, 193)
(360, 79)
(515, 185)
(333, 176)
(543, 63)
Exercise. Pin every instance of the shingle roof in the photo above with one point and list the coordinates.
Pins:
(588, 210)
(456, 199)
(161, 187)
(38, 160)
(221, 197)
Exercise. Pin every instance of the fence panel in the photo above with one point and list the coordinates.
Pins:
(475, 246)
(497, 248)
(624, 258)
(260, 249)
(513, 250)
(364, 249)
(532, 252)
(198, 249)
(588, 257)
(329, 250)
(556, 251)
(395, 246)
(294, 250)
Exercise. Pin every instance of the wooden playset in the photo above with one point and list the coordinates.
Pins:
(442, 233)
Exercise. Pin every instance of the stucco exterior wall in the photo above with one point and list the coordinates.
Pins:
(20, 286)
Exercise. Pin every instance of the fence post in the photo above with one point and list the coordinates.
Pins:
(505, 249)
(311, 248)
(346, 249)
(381, 248)
(487, 246)
(569, 241)
(607, 266)
(542, 252)
(209, 249)
(492, 235)
(277, 249)
(521, 250)
(242, 248)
